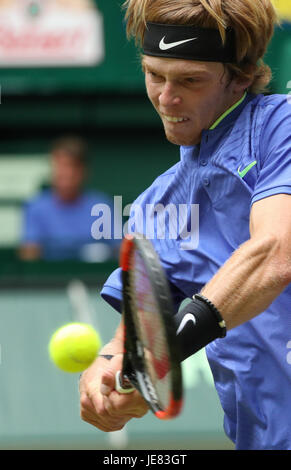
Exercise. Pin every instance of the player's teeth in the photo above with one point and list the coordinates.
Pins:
(174, 119)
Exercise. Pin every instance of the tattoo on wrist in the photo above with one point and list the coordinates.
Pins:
(107, 356)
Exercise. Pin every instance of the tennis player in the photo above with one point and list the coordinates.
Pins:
(206, 79)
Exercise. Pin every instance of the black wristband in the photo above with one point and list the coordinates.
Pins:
(215, 312)
(197, 326)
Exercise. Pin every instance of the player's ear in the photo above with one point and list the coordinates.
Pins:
(244, 81)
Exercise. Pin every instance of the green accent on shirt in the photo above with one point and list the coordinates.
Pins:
(227, 112)
(247, 169)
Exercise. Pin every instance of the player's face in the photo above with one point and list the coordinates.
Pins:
(188, 95)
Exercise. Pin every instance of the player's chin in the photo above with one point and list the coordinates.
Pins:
(180, 139)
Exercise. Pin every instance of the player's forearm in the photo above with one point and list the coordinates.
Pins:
(249, 281)
(115, 346)
(244, 287)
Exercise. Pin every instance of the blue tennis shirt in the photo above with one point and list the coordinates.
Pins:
(61, 228)
(244, 158)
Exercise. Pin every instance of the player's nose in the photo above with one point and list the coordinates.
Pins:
(169, 96)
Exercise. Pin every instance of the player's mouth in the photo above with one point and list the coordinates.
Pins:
(175, 119)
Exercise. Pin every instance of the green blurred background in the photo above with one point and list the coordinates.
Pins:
(105, 104)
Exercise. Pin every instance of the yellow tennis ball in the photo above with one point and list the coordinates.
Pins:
(74, 346)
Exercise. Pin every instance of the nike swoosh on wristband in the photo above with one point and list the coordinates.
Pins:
(186, 318)
(163, 46)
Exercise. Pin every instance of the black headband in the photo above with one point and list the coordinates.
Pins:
(188, 42)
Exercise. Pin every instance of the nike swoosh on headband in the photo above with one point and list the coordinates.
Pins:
(246, 170)
(186, 318)
(163, 46)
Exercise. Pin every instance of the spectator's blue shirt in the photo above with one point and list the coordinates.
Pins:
(243, 159)
(63, 229)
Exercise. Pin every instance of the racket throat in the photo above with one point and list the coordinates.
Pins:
(140, 379)
(147, 390)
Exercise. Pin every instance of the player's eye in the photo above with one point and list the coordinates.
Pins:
(155, 77)
(191, 80)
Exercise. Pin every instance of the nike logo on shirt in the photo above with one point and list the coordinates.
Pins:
(186, 318)
(163, 46)
(247, 169)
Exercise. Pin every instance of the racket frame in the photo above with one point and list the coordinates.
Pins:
(134, 367)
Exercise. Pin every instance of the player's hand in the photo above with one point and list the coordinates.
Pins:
(101, 405)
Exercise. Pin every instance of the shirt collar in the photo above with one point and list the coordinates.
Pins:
(217, 129)
(228, 112)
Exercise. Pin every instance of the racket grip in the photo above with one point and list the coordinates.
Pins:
(122, 386)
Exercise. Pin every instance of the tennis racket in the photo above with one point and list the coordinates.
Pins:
(151, 355)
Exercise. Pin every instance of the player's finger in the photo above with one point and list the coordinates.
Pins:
(107, 382)
(88, 412)
(103, 423)
(102, 420)
(128, 406)
(86, 403)
(103, 426)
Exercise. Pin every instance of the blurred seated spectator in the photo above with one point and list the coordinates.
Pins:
(57, 221)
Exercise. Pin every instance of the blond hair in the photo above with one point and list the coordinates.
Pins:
(252, 20)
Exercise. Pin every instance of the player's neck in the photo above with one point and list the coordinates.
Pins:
(229, 107)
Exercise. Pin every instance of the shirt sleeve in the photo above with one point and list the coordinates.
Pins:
(112, 292)
(31, 225)
(275, 152)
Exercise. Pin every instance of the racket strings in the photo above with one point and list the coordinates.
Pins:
(151, 332)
